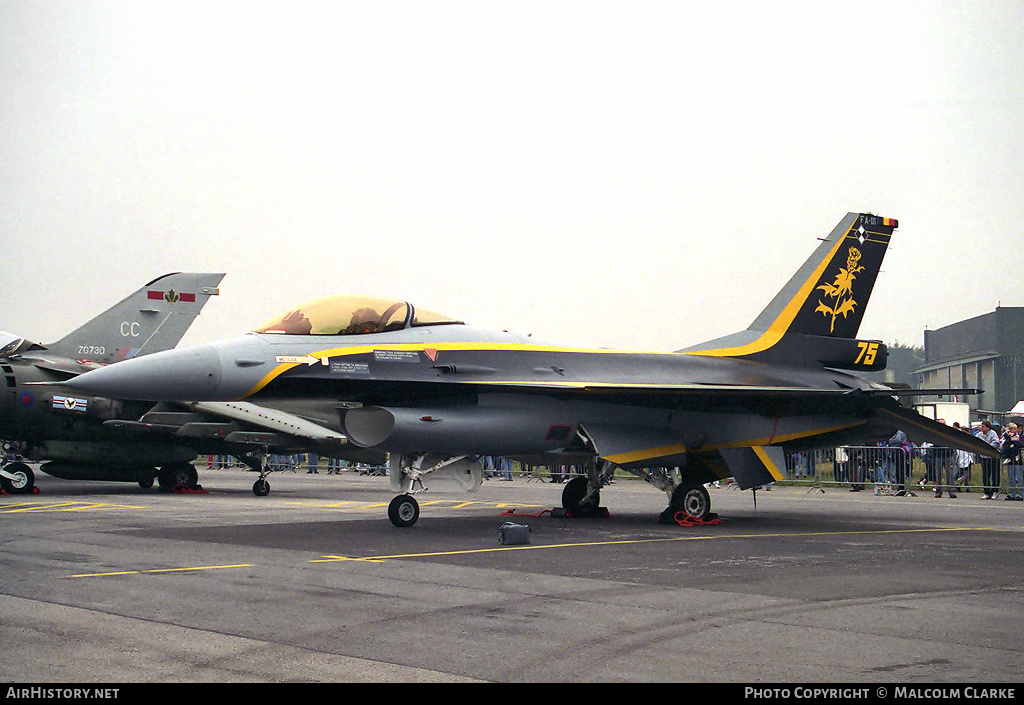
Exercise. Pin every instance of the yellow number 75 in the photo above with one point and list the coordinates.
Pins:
(867, 353)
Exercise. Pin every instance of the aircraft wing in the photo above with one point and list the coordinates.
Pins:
(62, 367)
(726, 389)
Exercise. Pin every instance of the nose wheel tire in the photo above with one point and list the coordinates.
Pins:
(403, 511)
(261, 488)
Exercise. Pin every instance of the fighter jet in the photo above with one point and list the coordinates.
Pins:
(83, 437)
(439, 394)
(42, 420)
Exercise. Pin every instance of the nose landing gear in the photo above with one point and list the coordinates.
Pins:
(404, 510)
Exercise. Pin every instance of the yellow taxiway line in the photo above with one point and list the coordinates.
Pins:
(435, 554)
(61, 507)
(583, 544)
(161, 570)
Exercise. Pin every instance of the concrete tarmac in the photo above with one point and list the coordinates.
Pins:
(111, 583)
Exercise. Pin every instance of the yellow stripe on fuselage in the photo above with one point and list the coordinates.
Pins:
(462, 347)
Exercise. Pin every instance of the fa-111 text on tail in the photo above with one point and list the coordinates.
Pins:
(438, 394)
(85, 437)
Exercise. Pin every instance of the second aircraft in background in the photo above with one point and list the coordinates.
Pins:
(85, 437)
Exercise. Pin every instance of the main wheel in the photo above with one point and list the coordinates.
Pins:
(22, 482)
(178, 474)
(261, 488)
(691, 499)
(404, 510)
(573, 494)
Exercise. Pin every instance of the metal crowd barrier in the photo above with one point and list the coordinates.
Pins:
(881, 469)
(889, 470)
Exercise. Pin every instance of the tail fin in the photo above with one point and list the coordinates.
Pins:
(154, 318)
(815, 318)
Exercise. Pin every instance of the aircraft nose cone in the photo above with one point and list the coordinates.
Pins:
(175, 375)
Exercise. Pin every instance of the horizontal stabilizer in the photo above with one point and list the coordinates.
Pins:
(932, 392)
(921, 429)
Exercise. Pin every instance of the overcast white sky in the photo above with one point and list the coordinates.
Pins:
(641, 175)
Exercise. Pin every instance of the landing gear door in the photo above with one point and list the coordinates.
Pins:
(759, 465)
(413, 473)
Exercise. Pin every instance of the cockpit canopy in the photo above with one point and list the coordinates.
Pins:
(9, 343)
(351, 315)
(12, 345)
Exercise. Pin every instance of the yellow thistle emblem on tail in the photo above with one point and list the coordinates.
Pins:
(841, 291)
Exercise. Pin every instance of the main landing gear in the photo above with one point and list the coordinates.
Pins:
(692, 499)
(688, 498)
(174, 474)
(578, 500)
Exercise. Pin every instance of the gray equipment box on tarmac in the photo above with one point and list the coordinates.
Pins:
(514, 534)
